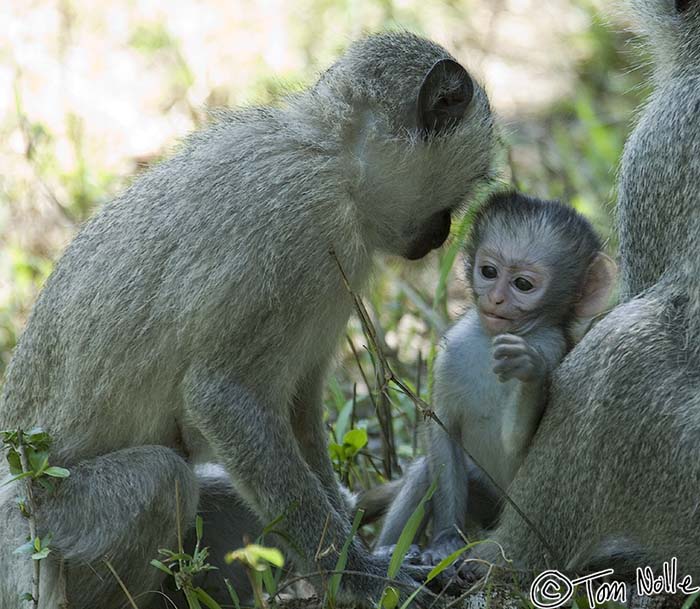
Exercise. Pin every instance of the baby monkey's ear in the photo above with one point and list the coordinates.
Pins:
(444, 97)
(597, 286)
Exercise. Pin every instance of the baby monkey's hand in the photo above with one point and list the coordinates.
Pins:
(514, 358)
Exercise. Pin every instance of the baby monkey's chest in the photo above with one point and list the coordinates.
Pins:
(488, 407)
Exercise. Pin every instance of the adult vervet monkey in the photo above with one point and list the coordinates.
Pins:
(612, 475)
(194, 318)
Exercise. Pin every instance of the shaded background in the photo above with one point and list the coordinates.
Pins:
(92, 93)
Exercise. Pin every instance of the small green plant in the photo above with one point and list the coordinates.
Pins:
(257, 560)
(184, 567)
(343, 455)
(28, 456)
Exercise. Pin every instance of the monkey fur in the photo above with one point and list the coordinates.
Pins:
(194, 318)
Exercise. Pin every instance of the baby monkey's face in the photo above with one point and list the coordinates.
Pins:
(509, 284)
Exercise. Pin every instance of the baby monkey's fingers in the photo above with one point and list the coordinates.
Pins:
(521, 367)
(510, 350)
(507, 339)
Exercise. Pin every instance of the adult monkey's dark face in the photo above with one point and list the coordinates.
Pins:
(431, 236)
(683, 5)
(444, 97)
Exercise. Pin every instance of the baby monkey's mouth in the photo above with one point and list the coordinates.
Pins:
(491, 315)
(495, 324)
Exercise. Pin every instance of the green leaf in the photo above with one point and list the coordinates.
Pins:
(173, 556)
(269, 528)
(38, 460)
(46, 483)
(447, 562)
(256, 556)
(38, 438)
(269, 582)
(15, 462)
(270, 555)
(9, 436)
(206, 599)
(410, 599)
(199, 527)
(336, 451)
(343, 420)
(27, 596)
(232, 593)
(355, 440)
(57, 472)
(159, 565)
(17, 477)
(390, 598)
(22, 506)
(25, 548)
(192, 600)
(409, 532)
(41, 554)
(334, 583)
(690, 601)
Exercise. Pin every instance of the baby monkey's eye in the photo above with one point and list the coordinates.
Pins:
(523, 284)
(489, 272)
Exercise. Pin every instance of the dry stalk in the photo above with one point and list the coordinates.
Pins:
(119, 580)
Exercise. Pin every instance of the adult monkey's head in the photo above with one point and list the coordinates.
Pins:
(672, 27)
(417, 134)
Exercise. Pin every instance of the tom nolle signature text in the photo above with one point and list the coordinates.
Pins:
(552, 589)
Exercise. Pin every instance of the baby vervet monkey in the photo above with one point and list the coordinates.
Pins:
(535, 267)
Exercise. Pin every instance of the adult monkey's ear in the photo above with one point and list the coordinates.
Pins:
(444, 96)
(683, 5)
(597, 287)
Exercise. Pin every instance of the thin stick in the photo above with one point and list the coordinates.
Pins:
(178, 518)
(29, 483)
(353, 412)
(130, 598)
(383, 374)
(414, 447)
(379, 408)
(63, 594)
(323, 574)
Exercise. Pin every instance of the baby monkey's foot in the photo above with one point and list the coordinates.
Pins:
(412, 563)
(442, 546)
(413, 555)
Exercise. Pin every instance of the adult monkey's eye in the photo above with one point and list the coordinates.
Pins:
(489, 272)
(523, 284)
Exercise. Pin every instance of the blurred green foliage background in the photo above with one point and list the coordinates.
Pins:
(91, 94)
